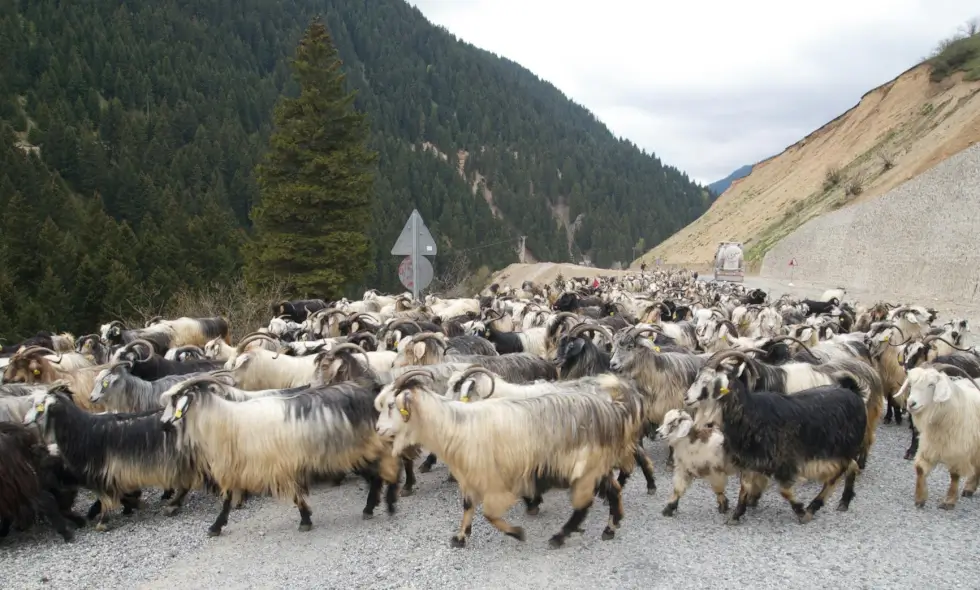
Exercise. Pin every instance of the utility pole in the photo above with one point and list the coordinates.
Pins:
(520, 249)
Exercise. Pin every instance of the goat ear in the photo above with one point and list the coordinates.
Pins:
(405, 408)
(242, 360)
(911, 317)
(684, 429)
(805, 334)
(943, 390)
(418, 349)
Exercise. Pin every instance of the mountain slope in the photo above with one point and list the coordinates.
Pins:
(896, 132)
(146, 119)
(720, 186)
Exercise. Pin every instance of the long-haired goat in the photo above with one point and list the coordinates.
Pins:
(530, 442)
(274, 444)
(817, 434)
(31, 484)
(114, 454)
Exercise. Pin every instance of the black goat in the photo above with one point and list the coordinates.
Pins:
(469, 344)
(819, 430)
(754, 297)
(42, 339)
(149, 366)
(298, 310)
(818, 307)
(578, 356)
(569, 301)
(115, 455)
(33, 483)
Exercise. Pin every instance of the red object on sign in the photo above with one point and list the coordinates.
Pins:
(792, 262)
(405, 272)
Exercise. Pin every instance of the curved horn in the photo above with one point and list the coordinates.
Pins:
(943, 368)
(404, 321)
(119, 323)
(715, 359)
(252, 338)
(561, 316)
(731, 327)
(930, 338)
(478, 369)
(32, 350)
(431, 336)
(404, 377)
(349, 346)
(575, 330)
(794, 339)
(138, 343)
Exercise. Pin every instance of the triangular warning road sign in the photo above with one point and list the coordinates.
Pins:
(403, 245)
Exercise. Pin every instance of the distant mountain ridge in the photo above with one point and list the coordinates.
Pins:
(722, 185)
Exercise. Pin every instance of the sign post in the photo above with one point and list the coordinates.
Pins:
(792, 269)
(415, 271)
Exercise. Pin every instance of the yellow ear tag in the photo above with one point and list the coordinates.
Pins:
(885, 339)
(178, 413)
(37, 371)
(723, 391)
(403, 411)
(656, 349)
(610, 313)
(105, 383)
(900, 358)
(464, 398)
(90, 357)
(39, 408)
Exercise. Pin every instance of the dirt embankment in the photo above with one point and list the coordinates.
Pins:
(546, 272)
(896, 132)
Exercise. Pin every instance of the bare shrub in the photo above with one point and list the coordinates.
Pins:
(832, 178)
(887, 162)
(245, 311)
(456, 280)
(854, 188)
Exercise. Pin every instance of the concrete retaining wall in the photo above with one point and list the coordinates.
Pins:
(920, 241)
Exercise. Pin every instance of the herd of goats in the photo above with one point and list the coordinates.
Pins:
(516, 391)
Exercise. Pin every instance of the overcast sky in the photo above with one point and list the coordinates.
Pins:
(708, 85)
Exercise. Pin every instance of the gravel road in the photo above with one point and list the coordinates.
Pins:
(883, 542)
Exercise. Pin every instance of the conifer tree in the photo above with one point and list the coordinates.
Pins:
(312, 220)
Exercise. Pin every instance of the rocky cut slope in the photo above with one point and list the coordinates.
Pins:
(896, 132)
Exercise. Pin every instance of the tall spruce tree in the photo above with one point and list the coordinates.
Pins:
(313, 216)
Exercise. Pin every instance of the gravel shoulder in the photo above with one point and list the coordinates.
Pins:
(883, 542)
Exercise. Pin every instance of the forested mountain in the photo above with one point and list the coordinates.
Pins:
(129, 132)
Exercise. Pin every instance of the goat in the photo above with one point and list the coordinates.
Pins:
(816, 434)
(114, 454)
(274, 444)
(297, 310)
(32, 483)
(698, 452)
(120, 391)
(530, 444)
(150, 366)
(946, 411)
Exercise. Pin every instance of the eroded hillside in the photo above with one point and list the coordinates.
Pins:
(896, 132)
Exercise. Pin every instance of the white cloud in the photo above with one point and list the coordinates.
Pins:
(708, 85)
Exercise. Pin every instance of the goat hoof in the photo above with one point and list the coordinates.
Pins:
(68, 536)
(968, 493)
(367, 515)
(406, 492)
(723, 507)
(425, 468)
(556, 542)
(909, 455)
(517, 533)
(457, 542)
(946, 505)
(214, 532)
(651, 490)
(533, 511)
(171, 510)
(732, 521)
(608, 533)
(898, 420)
(806, 517)
(668, 510)
(887, 420)
(921, 504)
(304, 527)
(101, 527)
(842, 507)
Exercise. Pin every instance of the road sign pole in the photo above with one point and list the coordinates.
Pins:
(415, 257)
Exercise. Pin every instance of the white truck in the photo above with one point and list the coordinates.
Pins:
(729, 262)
